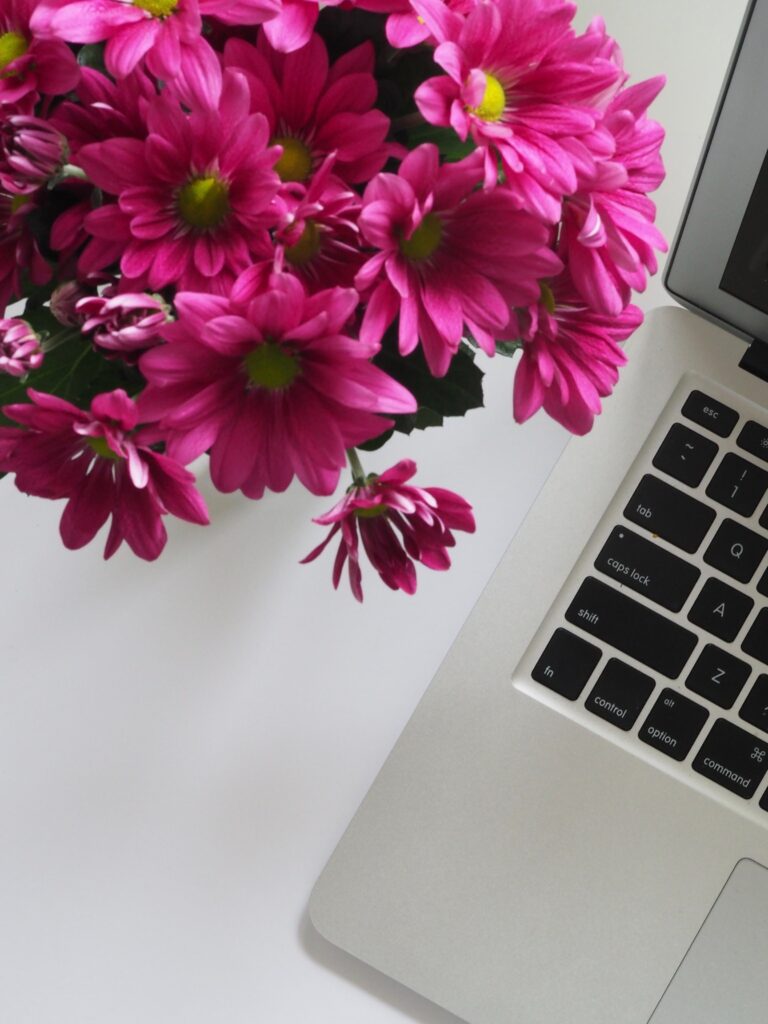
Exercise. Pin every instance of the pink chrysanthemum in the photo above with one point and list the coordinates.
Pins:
(99, 462)
(193, 198)
(317, 237)
(571, 357)
(398, 524)
(608, 236)
(166, 33)
(314, 109)
(450, 256)
(29, 64)
(405, 27)
(523, 86)
(270, 384)
(20, 350)
(105, 109)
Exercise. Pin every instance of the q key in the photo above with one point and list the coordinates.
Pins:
(736, 551)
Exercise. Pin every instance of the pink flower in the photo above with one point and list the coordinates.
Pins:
(29, 64)
(314, 109)
(570, 357)
(608, 237)
(99, 462)
(292, 28)
(193, 198)
(397, 523)
(270, 383)
(167, 33)
(33, 152)
(20, 350)
(64, 300)
(523, 86)
(125, 324)
(105, 109)
(241, 12)
(449, 258)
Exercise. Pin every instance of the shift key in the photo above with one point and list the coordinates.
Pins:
(669, 513)
(648, 568)
(604, 612)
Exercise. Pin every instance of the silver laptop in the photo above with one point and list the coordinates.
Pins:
(573, 826)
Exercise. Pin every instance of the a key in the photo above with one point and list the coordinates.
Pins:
(632, 628)
(685, 455)
(647, 568)
(756, 640)
(718, 676)
(709, 413)
(754, 439)
(755, 708)
(620, 694)
(738, 484)
(736, 551)
(566, 664)
(733, 758)
(664, 510)
(720, 609)
(673, 724)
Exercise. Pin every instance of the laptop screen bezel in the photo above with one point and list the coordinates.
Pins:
(723, 184)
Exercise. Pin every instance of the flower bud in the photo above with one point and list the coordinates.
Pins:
(64, 300)
(20, 350)
(32, 152)
(124, 324)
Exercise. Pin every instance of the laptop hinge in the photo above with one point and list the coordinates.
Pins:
(755, 359)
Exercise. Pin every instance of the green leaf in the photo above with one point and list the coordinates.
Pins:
(73, 371)
(460, 390)
(92, 56)
(376, 442)
(42, 320)
(508, 348)
(448, 142)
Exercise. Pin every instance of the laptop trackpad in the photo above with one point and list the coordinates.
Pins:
(723, 976)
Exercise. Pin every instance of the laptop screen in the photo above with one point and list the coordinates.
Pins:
(719, 261)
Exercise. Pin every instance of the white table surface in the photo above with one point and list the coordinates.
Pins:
(182, 744)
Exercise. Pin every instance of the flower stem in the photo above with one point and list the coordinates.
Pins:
(358, 473)
(71, 171)
(54, 340)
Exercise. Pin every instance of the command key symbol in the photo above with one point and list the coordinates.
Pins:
(758, 754)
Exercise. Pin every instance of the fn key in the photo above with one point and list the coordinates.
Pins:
(566, 664)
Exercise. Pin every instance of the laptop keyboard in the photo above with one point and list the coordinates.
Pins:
(665, 637)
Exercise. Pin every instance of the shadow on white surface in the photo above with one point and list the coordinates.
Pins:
(411, 1005)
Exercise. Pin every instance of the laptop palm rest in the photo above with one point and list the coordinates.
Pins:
(723, 976)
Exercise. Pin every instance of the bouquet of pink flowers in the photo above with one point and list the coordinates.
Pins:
(276, 234)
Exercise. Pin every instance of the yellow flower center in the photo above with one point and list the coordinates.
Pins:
(17, 202)
(101, 447)
(204, 202)
(271, 367)
(424, 240)
(296, 162)
(547, 298)
(12, 46)
(372, 512)
(493, 102)
(157, 8)
(307, 247)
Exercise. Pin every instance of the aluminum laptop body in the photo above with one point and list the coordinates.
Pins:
(573, 826)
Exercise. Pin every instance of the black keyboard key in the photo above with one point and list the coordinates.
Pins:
(632, 628)
(736, 551)
(755, 708)
(738, 484)
(762, 585)
(673, 724)
(620, 694)
(720, 609)
(685, 455)
(764, 518)
(754, 439)
(647, 568)
(669, 513)
(756, 640)
(718, 676)
(566, 664)
(764, 800)
(709, 413)
(733, 758)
